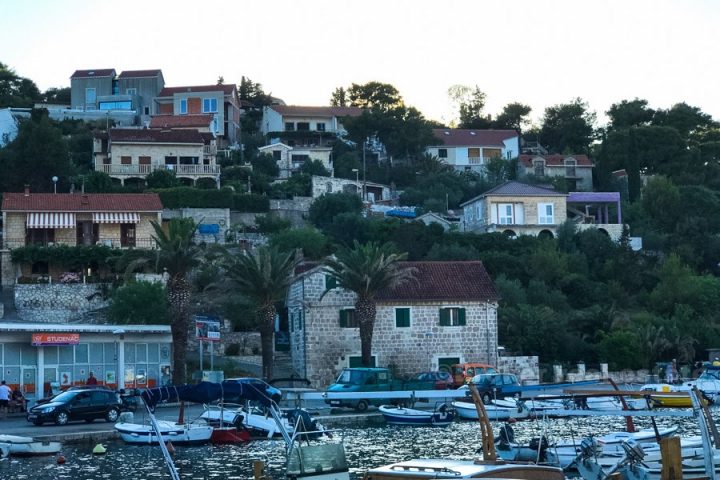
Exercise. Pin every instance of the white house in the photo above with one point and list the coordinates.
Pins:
(469, 150)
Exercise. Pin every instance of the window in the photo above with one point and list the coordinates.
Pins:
(320, 127)
(570, 168)
(147, 110)
(473, 153)
(452, 317)
(289, 126)
(442, 152)
(126, 105)
(144, 160)
(505, 214)
(402, 317)
(303, 126)
(209, 105)
(90, 97)
(131, 91)
(125, 160)
(127, 234)
(277, 155)
(40, 236)
(330, 282)
(492, 153)
(546, 214)
(183, 106)
(539, 166)
(348, 318)
(215, 127)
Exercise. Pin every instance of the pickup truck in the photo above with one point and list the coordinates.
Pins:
(359, 380)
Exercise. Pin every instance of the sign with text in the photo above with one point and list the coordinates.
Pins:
(207, 329)
(55, 339)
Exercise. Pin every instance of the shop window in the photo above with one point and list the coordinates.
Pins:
(67, 354)
(96, 353)
(81, 353)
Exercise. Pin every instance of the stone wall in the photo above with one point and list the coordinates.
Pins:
(216, 216)
(320, 348)
(7, 269)
(526, 369)
(57, 303)
(294, 210)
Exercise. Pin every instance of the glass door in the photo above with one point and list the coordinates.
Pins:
(50, 382)
(27, 381)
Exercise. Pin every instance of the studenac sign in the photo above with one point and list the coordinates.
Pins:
(55, 339)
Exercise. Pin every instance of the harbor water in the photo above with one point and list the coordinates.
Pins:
(366, 447)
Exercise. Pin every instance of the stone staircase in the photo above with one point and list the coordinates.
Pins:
(282, 365)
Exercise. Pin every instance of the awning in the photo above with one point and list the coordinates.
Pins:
(116, 217)
(50, 220)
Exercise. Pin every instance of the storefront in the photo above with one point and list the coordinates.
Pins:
(58, 356)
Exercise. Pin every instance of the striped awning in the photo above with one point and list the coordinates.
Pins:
(116, 217)
(50, 220)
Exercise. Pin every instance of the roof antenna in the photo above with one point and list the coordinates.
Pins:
(83, 186)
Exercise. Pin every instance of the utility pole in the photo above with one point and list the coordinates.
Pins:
(364, 186)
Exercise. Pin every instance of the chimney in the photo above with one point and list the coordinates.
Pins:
(85, 200)
(27, 190)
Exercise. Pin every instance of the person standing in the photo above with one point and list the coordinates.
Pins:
(5, 393)
(669, 378)
(91, 380)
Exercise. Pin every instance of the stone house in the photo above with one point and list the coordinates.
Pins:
(374, 192)
(131, 153)
(516, 208)
(115, 220)
(469, 150)
(575, 169)
(447, 315)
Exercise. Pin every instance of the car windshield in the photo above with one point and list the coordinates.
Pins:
(351, 377)
(482, 379)
(66, 396)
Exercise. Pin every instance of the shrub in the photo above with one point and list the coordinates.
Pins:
(69, 277)
(72, 257)
(162, 179)
(139, 303)
(206, 184)
(271, 224)
(232, 349)
(189, 197)
(250, 202)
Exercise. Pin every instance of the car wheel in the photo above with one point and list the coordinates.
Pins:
(486, 398)
(61, 418)
(112, 415)
(361, 406)
(89, 420)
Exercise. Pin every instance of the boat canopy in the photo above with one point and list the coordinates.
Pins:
(206, 392)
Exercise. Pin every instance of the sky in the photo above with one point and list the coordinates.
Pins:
(538, 52)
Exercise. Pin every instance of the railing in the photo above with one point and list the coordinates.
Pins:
(115, 242)
(113, 169)
(475, 160)
(209, 150)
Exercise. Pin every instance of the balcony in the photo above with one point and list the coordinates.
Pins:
(113, 242)
(143, 170)
(194, 169)
(475, 160)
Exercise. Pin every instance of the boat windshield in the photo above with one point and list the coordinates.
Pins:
(351, 377)
(321, 458)
(710, 375)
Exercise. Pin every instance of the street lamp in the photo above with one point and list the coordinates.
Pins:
(357, 176)
(54, 180)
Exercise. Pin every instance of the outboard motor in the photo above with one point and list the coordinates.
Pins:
(506, 435)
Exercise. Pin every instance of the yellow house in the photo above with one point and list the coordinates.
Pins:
(515, 208)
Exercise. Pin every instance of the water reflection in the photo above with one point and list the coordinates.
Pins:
(365, 447)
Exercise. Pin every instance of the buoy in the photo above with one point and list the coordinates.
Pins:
(170, 447)
(99, 449)
(61, 459)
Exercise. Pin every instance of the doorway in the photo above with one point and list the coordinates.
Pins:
(49, 380)
(27, 381)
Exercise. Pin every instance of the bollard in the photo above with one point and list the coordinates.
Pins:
(259, 470)
(671, 459)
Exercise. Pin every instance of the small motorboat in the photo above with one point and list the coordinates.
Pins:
(494, 412)
(258, 421)
(440, 417)
(221, 435)
(27, 446)
(177, 433)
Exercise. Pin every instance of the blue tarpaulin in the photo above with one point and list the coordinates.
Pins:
(206, 392)
(400, 213)
(208, 229)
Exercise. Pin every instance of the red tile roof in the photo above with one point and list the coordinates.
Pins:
(317, 111)
(140, 73)
(445, 281)
(77, 202)
(98, 72)
(556, 160)
(170, 91)
(182, 121)
(458, 137)
(155, 135)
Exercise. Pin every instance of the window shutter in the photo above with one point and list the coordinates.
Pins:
(461, 316)
(402, 317)
(330, 282)
(291, 321)
(301, 319)
(343, 318)
(444, 317)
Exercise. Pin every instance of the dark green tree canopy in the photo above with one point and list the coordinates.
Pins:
(16, 91)
(514, 116)
(630, 113)
(568, 127)
(374, 96)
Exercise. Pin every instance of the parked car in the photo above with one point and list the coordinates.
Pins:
(361, 380)
(273, 392)
(78, 404)
(464, 372)
(498, 385)
(443, 380)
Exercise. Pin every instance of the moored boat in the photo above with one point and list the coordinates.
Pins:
(183, 433)
(27, 446)
(494, 412)
(440, 417)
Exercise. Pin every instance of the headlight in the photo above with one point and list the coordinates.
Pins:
(47, 409)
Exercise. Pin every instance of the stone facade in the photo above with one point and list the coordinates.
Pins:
(321, 348)
(58, 303)
(375, 191)
(219, 217)
(525, 368)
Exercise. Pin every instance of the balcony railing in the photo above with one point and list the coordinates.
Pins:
(209, 150)
(114, 242)
(475, 160)
(142, 170)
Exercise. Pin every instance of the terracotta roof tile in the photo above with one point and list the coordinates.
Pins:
(170, 91)
(555, 160)
(444, 281)
(317, 111)
(155, 135)
(517, 189)
(76, 202)
(98, 72)
(140, 73)
(458, 137)
(174, 121)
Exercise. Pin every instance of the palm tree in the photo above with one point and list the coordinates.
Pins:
(367, 270)
(176, 254)
(263, 278)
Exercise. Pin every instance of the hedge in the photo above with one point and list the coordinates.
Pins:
(189, 197)
(65, 255)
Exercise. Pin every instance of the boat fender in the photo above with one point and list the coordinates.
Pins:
(99, 449)
(61, 459)
(238, 423)
(170, 447)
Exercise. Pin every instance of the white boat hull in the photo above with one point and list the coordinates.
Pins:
(410, 416)
(177, 434)
(17, 445)
(469, 411)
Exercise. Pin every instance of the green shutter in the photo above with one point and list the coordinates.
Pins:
(461, 316)
(301, 319)
(343, 318)
(291, 321)
(330, 282)
(402, 317)
(444, 317)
